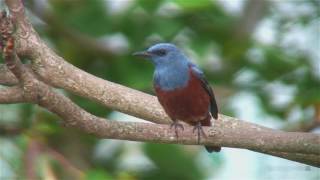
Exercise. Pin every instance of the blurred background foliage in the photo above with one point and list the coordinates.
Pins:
(267, 51)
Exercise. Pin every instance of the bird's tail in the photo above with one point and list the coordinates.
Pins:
(210, 149)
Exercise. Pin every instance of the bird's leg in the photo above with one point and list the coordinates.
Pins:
(176, 126)
(200, 131)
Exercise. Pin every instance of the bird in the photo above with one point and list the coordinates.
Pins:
(182, 89)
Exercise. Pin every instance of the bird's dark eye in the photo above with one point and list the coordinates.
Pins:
(160, 52)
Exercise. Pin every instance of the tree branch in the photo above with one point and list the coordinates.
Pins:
(225, 135)
(52, 69)
(253, 12)
(87, 43)
(6, 77)
(76, 117)
(10, 131)
(298, 157)
(306, 126)
(11, 95)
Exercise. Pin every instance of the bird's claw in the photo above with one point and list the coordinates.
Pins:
(176, 126)
(200, 131)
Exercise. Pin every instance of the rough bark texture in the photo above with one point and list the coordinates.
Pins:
(48, 68)
(6, 77)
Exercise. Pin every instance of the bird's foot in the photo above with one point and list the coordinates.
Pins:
(176, 126)
(200, 131)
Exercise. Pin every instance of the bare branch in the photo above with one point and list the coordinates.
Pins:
(82, 40)
(305, 126)
(11, 95)
(227, 132)
(307, 159)
(253, 12)
(64, 162)
(10, 131)
(222, 134)
(317, 113)
(6, 77)
(76, 117)
(32, 152)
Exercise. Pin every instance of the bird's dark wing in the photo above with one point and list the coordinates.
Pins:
(206, 86)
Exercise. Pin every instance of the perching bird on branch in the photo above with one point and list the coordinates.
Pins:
(182, 89)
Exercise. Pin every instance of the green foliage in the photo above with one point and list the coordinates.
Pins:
(98, 174)
(193, 5)
(172, 162)
(90, 18)
(149, 5)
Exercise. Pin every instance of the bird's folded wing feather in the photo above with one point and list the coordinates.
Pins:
(199, 74)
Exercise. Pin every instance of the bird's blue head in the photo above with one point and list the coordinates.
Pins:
(163, 54)
(171, 65)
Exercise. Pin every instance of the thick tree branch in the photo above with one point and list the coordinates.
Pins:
(74, 116)
(52, 69)
(249, 136)
(6, 77)
(11, 95)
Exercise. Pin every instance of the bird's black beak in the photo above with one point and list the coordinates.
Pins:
(143, 54)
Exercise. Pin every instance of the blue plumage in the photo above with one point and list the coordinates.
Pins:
(169, 74)
(169, 79)
(181, 88)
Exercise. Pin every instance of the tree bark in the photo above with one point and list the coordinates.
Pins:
(48, 68)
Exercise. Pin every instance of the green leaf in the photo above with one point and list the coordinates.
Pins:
(98, 174)
(193, 4)
(150, 5)
(89, 17)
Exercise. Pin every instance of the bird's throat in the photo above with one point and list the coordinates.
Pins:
(171, 77)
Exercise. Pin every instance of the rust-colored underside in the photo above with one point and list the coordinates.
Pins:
(189, 104)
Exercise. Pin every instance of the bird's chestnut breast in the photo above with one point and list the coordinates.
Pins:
(189, 104)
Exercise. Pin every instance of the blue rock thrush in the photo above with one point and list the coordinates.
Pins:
(182, 89)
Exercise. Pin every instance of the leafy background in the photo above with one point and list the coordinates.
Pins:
(262, 58)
